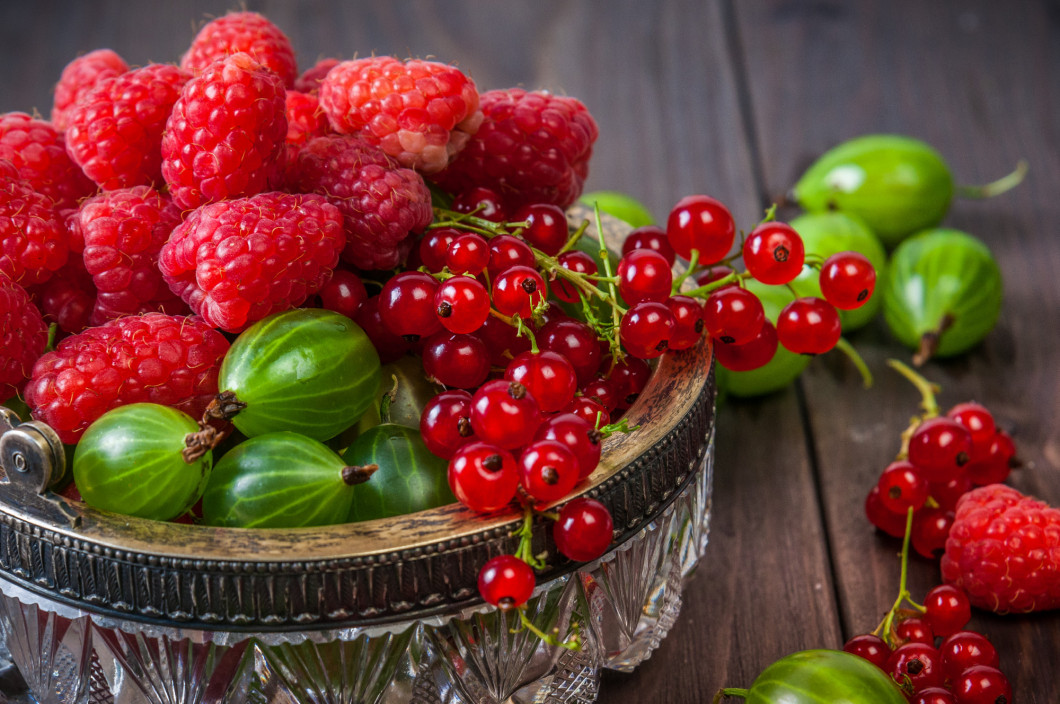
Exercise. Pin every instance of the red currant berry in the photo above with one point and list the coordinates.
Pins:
(507, 251)
(982, 684)
(933, 695)
(456, 360)
(644, 275)
(914, 630)
(506, 582)
(462, 304)
(994, 463)
(773, 253)
(919, 662)
(809, 325)
(502, 340)
(481, 202)
(947, 609)
(406, 305)
(646, 329)
(977, 419)
(344, 293)
(445, 423)
(870, 647)
(576, 341)
(548, 470)
(468, 254)
(931, 527)
(546, 227)
(548, 376)
(592, 412)
(703, 224)
(946, 494)
(847, 280)
(733, 315)
(964, 649)
(902, 487)
(483, 477)
(584, 529)
(750, 355)
(390, 347)
(650, 237)
(880, 516)
(435, 244)
(629, 376)
(603, 392)
(578, 262)
(517, 290)
(688, 322)
(578, 435)
(714, 273)
(504, 413)
(940, 447)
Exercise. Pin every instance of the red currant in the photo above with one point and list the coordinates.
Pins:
(578, 435)
(880, 516)
(481, 202)
(733, 315)
(406, 305)
(993, 464)
(506, 582)
(576, 341)
(646, 329)
(964, 649)
(546, 227)
(870, 647)
(502, 340)
(483, 477)
(940, 447)
(584, 529)
(914, 630)
(773, 253)
(750, 355)
(982, 684)
(548, 470)
(919, 662)
(517, 290)
(947, 609)
(809, 325)
(468, 254)
(644, 275)
(504, 413)
(946, 494)
(344, 293)
(592, 412)
(456, 360)
(390, 347)
(629, 376)
(445, 423)
(933, 695)
(688, 322)
(462, 304)
(603, 392)
(977, 419)
(931, 527)
(576, 261)
(847, 280)
(507, 251)
(701, 223)
(650, 237)
(902, 487)
(712, 274)
(548, 376)
(434, 246)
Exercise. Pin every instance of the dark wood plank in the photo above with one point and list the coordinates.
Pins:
(973, 79)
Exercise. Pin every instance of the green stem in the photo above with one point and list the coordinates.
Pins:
(730, 692)
(616, 311)
(693, 262)
(886, 628)
(573, 239)
(572, 642)
(926, 388)
(525, 533)
(706, 289)
(995, 188)
(849, 350)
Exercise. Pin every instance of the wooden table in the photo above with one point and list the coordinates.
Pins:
(734, 99)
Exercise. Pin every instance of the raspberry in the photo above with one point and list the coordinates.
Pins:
(420, 112)
(532, 147)
(33, 240)
(237, 261)
(38, 151)
(246, 32)
(23, 336)
(309, 81)
(68, 297)
(305, 120)
(153, 358)
(226, 135)
(124, 231)
(115, 131)
(1004, 550)
(78, 77)
(383, 205)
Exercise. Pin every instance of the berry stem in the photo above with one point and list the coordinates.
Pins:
(727, 692)
(693, 262)
(844, 346)
(995, 188)
(886, 628)
(573, 239)
(525, 533)
(926, 388)
(706, 289)
(573, 641)
(616, 312)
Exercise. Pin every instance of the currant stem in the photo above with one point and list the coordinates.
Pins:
(573, 239)
(885, 629)
(844, 346)
(525, 533)
(572, 642)
(995, 188)
(616, 313)
(926, 388)
(693, 263)
(727, 692)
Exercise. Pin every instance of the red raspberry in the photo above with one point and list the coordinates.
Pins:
(115, 131)
(383, 205)
(305, 120)
(226, 135)
(153, 358)
(33, 240)
(23, 336)
(78, 77)
(38, 151)
(246, 32)
(68, 297)
(532, 147)
(309, 81)
(1004, 550)
(124, 231)
(237, 261)
(420, 112)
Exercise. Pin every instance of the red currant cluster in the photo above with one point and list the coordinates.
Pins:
(927, 649)
(941, 458)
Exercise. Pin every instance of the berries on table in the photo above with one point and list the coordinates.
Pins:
(847, 280)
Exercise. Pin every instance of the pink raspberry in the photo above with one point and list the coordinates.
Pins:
(237, 261)
(420, 112)
(309, 81)
(115, 131)
(383, 205)
(532, 147)
(305, 120)
(33, 240)
(1004, 550)
(124, 231)
(151, 358)
(38, 151)
(78, 77)
(226, 135)
(23, 335)
(246, 32)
